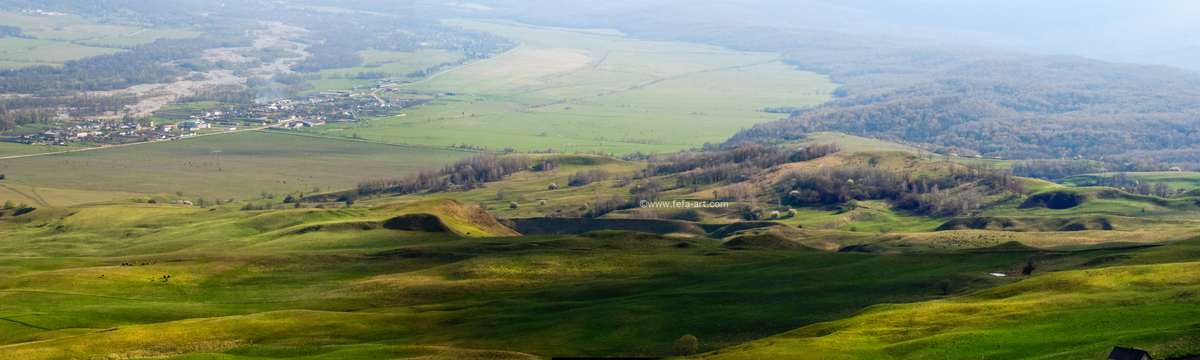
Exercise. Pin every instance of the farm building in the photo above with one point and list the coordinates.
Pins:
(194, 124)
(1120, 353)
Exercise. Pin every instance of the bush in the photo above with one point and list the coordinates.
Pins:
(686, 345)
(553, 186)
(791, 212)
(10, 205)
(513, 205)
(582, 178)
(774, 214)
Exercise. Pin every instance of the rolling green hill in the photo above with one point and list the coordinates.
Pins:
(331, 284)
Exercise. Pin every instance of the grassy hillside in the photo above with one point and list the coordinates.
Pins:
(1094, 215)
(331, 284)
(1078, 314)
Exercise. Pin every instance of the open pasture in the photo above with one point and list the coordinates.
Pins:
(1077, 314)
(310, 283)
(58, 53)
(399, 64)
(60, 38)
(251, 163)
(571, 91)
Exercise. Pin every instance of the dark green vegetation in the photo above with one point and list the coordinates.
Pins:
(331, 282)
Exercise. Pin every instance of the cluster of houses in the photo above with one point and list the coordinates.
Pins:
(343, 106)
(93, 130)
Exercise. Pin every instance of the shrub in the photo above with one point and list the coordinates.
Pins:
(791, 212)
(1028, 268)
(686, 345)
(553, 186)
(542, 202)
(582, 178)
(10, 205)
(513, 205)
(774, 214)
(735, 192)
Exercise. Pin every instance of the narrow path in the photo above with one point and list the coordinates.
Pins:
(36, 48)
(33, 189)
(32, 199)
(26, 324)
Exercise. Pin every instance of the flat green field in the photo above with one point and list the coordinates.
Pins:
(59, 53)
(1175, 179)
(11, 43)
(51, 34)
(573, 91)
(399, 64)
(252, 162)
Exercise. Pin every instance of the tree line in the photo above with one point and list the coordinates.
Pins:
(464, 174)
(956, 190)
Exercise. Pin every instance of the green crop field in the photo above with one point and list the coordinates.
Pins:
(1174, 179)
(13, 44)
(399, 64)
(334, 284)
(252, 162)
(574, 91)
(51, 34)
(59, 53)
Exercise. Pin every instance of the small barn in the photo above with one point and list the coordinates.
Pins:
(1120, 353)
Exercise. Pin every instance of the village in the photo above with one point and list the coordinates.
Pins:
(335, 106)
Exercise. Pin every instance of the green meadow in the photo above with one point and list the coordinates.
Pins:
(251, 163)
(334, 284)
(1174, 179)
(1144, 300)
(399, 64)
(571, 91)
(60, 38)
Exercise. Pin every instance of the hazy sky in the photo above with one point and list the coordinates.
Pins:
(1145, 31)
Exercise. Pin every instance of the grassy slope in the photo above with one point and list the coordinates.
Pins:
(1065, 315)
(248, 284)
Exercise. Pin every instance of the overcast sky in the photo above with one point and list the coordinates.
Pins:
(1147, 31)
